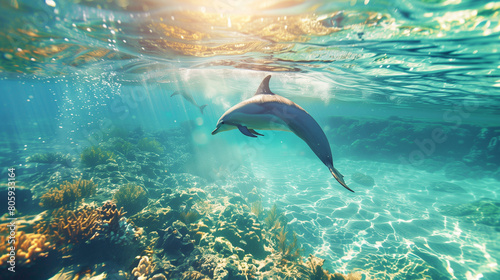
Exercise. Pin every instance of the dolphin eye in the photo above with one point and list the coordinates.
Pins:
(222, 122)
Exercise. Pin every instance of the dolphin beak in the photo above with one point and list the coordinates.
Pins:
(215, 130)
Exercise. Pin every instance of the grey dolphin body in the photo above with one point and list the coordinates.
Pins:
(268, 111)
(189, 98)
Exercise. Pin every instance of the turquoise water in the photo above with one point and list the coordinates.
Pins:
(407, 93)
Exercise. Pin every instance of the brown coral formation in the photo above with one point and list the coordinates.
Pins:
(143, 269)
(68, 193)
(87, 223)
(28, 247)
(111, 215)
(71, 227)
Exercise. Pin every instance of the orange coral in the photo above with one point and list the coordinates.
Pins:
(74, 227)
(28, 247)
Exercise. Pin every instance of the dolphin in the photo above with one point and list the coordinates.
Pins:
(269, 111)
(189, 98)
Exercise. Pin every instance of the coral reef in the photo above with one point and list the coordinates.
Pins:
(363, 179)
(131, 197)
(226, 240)
(150, 145)
(194, 228)
(93, 156)
(68, 193)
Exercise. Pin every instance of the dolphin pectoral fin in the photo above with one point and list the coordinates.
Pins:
(339, 177)
(255, 132)
(245, 131)
(175, 93)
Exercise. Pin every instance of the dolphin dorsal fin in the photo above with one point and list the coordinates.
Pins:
(264, 87)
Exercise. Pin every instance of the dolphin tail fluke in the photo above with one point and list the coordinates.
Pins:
(202, 107)
(175, 93)
(339, 177)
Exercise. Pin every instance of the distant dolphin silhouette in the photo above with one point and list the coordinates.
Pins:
(268, 111)
(189, 98)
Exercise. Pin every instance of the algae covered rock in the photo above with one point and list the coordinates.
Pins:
(153, 218)
(363, 179)
(173, 242)
(223, 246)
(241, 229)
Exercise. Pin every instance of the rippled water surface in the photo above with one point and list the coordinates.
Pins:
(407, 92)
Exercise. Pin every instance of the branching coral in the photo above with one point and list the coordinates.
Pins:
(73, 227)
(131, 197)
(28, 247)
(277, 225)
(68, 193)
(274, 218)
(93, 156)
(289, 250)
(315, 266)
(111, 215)
(150, 145)
(143, 269)
(68, 227)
